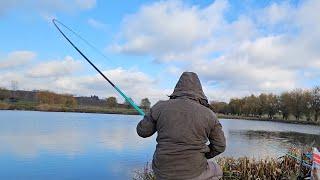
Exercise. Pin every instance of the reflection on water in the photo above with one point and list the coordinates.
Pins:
(70, 145)
(261, 139)
(41, 145)
(260, 144)
(292, 138)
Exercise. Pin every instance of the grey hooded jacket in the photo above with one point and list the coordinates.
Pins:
(184, 124)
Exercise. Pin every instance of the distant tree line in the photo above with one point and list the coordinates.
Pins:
(66, 100)
(39, 97)
(297, 103)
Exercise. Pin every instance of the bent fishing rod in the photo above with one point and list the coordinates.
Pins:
(129, 100)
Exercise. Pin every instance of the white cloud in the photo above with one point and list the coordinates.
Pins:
(265, 50)
(61, 5)
(168, 27)
(7, 5)
(55, 68)
(241, 75)
(86, 4)
(276, 13)
(16, 58)
(64, 76)
(134, 83)
(97, 24)
(273, 49)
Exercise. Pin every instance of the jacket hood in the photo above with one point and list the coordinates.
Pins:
(189, 86)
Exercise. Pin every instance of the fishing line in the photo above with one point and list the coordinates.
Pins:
(129, 100)
(80, 37)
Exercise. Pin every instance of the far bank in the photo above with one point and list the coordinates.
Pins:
(223, 116)
(124, 111)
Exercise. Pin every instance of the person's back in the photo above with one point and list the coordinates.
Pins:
(184, 124)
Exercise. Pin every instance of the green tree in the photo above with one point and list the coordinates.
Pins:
(315, 102)
(246, 109)
(297, 104)
(145, 103)
(272, 105)
(4, 94)
(236, 106)
(111, 102)
(262, 106)
(219, 107)
(307, 104)
(284, 105)
(250, 106)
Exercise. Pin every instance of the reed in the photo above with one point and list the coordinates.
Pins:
(285, 167)
(145, 174)
(246, 168)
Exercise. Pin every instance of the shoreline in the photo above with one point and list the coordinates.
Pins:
(121, 111)
(222, 116)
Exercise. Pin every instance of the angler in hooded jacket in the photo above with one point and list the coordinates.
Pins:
(184, 124)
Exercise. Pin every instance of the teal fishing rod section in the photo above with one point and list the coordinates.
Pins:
(129, 100)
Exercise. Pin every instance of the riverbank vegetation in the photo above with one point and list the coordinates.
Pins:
(298, 105)
(288, 166)
(50, 101)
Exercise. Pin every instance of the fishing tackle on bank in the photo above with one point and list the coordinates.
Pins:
(129, 100)
(292, 155)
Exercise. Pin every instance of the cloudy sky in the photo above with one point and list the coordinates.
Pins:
(237, 47)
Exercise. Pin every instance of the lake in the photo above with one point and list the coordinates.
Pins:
(50, 145)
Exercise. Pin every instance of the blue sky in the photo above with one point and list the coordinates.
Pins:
(237, 47)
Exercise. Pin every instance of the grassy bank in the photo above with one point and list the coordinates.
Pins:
(284, 167)
(223, 116)
(29, 106)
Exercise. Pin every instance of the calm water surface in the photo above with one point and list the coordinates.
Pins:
(46, 145)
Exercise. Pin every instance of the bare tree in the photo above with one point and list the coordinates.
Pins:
(315, 95)
(307, 104)
(284, 105)
(297, 104)
(272, 105)
(145, 103)
(263, 102)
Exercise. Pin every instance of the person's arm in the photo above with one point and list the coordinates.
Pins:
(217, 140)
(147, 126)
